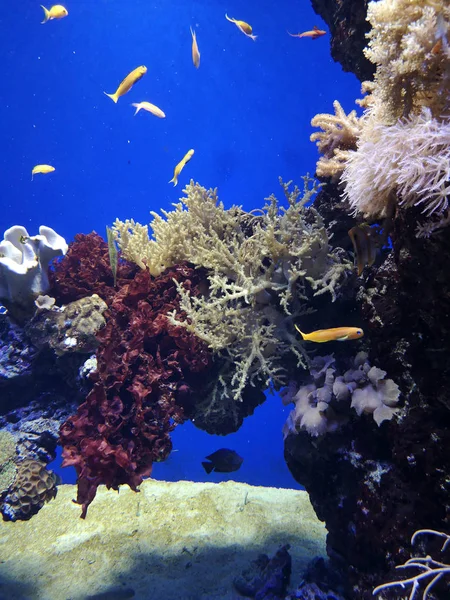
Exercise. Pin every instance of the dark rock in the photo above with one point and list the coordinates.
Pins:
(348, 27)
(266, 578)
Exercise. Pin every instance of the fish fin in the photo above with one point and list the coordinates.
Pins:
(174, 180)
(251, 35)
(304, 335)
(228, 19)
(344, 338)
(208, 466)
(192, 33)
(136, 106)
(46, 14)
(113, 97)
(315, 28)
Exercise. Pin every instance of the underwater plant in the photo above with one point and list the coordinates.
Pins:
(401, 143)
(263, 268)
(145, 370)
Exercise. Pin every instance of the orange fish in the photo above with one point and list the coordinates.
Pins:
(243, 26)
(195, 50)
(313, 34)
(336, 334)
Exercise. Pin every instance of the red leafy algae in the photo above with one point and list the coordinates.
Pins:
(146, 369)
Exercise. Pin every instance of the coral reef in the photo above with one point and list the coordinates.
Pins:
(263, 267)
(24, 262)
(72, 328)
(86, 270)
(401, 154)
(409, 44)
(374, 486)
(409, 160)
(33, 486)
(146, 368)
(339, 135)
(323, 406)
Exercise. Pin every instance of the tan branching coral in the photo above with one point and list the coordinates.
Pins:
(261, 267)
(339, 135)
(409, 44)
(402, 147)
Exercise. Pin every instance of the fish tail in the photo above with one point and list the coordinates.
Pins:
(304, 335)
(174, 180)
(46, 14)
(113, 97)
(137, 107)
(208, 466)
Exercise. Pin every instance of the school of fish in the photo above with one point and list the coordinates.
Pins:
(57, 11)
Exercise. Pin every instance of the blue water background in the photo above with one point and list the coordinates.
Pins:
(246, 111)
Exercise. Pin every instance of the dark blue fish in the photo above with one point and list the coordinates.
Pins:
(223, 461)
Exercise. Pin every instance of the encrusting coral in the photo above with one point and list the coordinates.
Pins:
(261, 267)
(404, 134)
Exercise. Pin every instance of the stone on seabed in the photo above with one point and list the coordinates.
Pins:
(170, 541)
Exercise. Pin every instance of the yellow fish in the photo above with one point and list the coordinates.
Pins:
(151, 108)
(56, 12)
(180, 166)
(41, 169)
(336, 334)
(127, 83)
(243, 26)
(195, 50)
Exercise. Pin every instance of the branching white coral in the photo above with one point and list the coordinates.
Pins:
(429, 571)
(402, 149)
(261, 267)
(409, 44)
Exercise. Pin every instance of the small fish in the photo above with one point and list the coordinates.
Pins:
(223, 461)
(313, 34)
(364, 245)
(41, 169)
(151, 108)
(112, 251)
(180, 166)
(243, 26)
(336, 334)
(127, 83)
(195, 50)
(55, 12)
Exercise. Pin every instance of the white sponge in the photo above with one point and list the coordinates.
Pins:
(24, 263)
